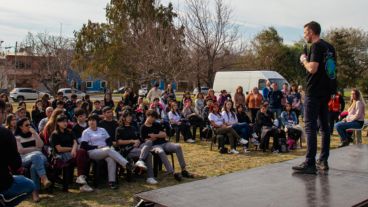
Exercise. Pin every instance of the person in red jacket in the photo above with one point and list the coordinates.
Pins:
(336, 105)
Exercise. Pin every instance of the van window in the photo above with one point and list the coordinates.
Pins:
(261, 84)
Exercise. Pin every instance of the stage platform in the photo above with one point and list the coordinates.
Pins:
(346, 184)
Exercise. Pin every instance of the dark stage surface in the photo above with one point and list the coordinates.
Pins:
(346, 184)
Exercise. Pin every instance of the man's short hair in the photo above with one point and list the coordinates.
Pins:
(314, 26)
(60, 103)
(152, 113)
(106, 108)
(60, 94)
(79, 112)
(96, 101)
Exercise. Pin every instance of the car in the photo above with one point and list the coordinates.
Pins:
(143, 91)
(22, 94)
(67, 93)
(4, 90)
(119, 90)
(204, 90)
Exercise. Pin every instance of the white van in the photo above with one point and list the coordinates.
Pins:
(230, 80)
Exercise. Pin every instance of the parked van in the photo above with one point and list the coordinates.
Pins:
(230, 80)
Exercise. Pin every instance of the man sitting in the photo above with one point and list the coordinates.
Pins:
(153, 131)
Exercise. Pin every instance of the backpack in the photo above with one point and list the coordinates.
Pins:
(334, 104)
(330, 66)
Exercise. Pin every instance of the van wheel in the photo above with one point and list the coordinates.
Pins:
(20, 98)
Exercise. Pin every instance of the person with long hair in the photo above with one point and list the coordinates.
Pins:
(45, 101)
(50, 126)
(23, 105)
(97, 142)
(218, 123)
(253, 102)
(355, 118)
(199, 104)
(134, 148)
(38, 113)
(211, 96)
(108, 100)
(11, 123)
(195, 120)
(239, 97)
(289, 120)
(29, 146)
(179, 124)
(65, 147)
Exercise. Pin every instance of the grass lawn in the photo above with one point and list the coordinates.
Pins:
(201, 161)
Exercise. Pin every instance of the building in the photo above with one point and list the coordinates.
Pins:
(88, 85)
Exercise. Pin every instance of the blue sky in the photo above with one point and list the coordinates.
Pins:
(18, 17)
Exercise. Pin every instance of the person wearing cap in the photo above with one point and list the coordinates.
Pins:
(133, 147)
(11, 186)
(155, 92)
(108, 123)
(65, 147)
(29, 146)
(265, 124)
(97, 142)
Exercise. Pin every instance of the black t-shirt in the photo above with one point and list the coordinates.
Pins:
(110, 127)
(10, 158)
(154, 129)
(78, 130)
(65, 139)
(275, 98)
(318, 84)
(126, 133)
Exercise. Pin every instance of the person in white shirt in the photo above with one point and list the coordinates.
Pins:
(98, 143)
(155, 92)
(219, 126)
(180, 125)
(243, 129)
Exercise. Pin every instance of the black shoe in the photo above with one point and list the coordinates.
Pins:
(186, 174)
(113, 185)
(343, 144)
(350, 140)
(178, 176)
(322, 165)
(305, 168)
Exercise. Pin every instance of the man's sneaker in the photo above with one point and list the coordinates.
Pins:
(141, 164)
(276, 151)
(305, 168)
(178, 176)
(254, 135)
(113, 185)
(343, 144)
(81, 180)
(233, 151)
(85, 188)
(322, 165)
(243, 141)
(186, 174)
(151, 181)
(190, 141)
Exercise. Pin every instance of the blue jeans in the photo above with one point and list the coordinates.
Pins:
(316, 108)
(341, 128)
(20, 189)
(35, 161)
(242, 129)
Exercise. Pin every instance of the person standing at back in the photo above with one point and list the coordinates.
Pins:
(317, 95)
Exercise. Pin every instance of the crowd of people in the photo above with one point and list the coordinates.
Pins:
(73, 133)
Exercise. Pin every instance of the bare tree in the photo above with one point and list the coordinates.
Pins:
(209, 33)
(54, 54)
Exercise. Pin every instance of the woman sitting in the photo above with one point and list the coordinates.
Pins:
(265, 124)
(231, 119)
(355, 118)
(29, 146)
(11, 123)
(290, 121)
(180, 125)
(65, 148)
(244, 118)
(220, 128)
(98, 143)
(194, 119)
(134, 148)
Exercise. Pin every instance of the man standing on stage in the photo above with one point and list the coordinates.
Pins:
(317, 95)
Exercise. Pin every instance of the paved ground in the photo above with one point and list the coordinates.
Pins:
(346, 184)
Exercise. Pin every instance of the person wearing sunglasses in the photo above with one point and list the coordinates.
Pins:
(29, 146)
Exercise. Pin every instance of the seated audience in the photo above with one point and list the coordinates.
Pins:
(179, 124)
